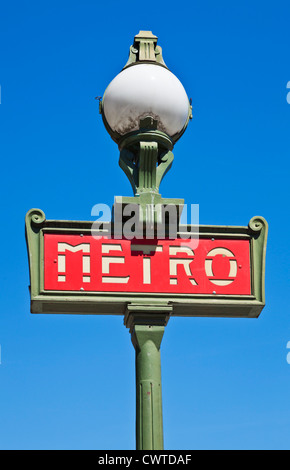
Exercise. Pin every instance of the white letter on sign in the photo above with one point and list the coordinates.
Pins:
(146, 250)
(233, 266)
(62, 248)
(173, 263)
(107, 260)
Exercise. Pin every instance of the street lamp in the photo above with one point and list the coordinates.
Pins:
(146, 110)
(145, 90)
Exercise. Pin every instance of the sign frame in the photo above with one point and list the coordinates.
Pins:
(119, 303)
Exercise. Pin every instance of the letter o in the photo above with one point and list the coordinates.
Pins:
(233, 266)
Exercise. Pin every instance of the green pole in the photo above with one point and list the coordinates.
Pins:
(147, 324)
(149, 422)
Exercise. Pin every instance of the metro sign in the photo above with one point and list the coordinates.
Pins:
(219, 274)
(74, 262)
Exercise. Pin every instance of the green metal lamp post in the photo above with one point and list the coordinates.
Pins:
(145, 109)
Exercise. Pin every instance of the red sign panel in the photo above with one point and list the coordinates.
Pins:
(204, 266)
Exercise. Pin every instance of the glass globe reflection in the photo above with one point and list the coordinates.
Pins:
(144, 90)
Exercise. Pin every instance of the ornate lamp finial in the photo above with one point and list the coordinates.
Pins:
(145, 49)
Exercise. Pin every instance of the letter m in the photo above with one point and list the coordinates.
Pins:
(62, 248)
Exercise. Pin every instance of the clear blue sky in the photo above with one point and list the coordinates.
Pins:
(68, 382)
